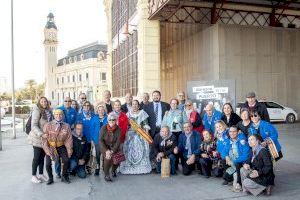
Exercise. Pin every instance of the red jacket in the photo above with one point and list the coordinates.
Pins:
(196, 121)
(123, 124)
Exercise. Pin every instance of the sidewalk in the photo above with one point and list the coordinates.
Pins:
(15, 175)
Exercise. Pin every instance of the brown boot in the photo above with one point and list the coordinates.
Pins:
(269, 190)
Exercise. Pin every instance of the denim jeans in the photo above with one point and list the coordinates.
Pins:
(172, 158)
(79, 169)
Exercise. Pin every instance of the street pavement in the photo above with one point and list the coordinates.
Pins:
(15, 179)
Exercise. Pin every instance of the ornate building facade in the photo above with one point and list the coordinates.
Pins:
(83, 70)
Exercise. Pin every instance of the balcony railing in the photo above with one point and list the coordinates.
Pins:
(155, 6)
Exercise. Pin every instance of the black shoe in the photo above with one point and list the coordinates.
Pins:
(96, 172)
(65, 179)
(225, 182)
(108, 179)
(50, 181)
(73, 173)
(58, 176)
(114, 174)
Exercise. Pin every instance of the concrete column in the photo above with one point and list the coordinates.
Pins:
(148, 50)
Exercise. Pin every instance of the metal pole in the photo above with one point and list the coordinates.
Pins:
(12, 69)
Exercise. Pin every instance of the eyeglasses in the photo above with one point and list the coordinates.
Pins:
(82, 98)
(112, 120)
(68, 101)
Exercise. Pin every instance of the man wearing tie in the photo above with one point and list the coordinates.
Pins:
(156, 110)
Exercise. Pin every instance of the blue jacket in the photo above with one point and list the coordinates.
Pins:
(69, 115)
(87, 125)
(266, 130)
(195, 144)
(211, 126)
(221, 143)
(242, 146)
(96, 126)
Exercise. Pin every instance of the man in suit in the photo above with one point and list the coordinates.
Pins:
(156, 111)
(107, 101)
(127, 106)
(145, 101)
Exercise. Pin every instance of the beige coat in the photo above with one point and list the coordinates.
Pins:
(37, 124)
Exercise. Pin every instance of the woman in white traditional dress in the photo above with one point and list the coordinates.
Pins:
(136, 148)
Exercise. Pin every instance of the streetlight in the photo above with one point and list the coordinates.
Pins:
(12, 69)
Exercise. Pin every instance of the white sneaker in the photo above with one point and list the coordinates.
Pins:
(34, 179)
(42, 177)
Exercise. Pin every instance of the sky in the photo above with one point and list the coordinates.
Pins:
(78, 22)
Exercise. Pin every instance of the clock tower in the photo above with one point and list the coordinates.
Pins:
(50, 44)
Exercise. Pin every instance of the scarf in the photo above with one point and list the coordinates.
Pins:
(163, 142)
(188, 113)
(255, 152)
(58, 124)
(256, 126)
(233, 153)
(87, 114)
(188, 144)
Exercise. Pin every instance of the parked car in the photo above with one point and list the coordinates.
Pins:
(277, 112)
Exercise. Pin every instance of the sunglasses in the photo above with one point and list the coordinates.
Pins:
(255, 115)
(68, 101)
(112, 120)
(83, 98)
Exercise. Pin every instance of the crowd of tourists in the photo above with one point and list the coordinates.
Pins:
(81, 138)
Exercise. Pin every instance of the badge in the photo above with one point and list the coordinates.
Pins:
(243, 142)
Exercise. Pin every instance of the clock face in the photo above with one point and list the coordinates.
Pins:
(51, 36)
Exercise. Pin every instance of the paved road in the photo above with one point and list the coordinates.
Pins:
(15, 184)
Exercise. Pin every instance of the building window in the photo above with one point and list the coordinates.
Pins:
(73, 78)
(52, 95)
(121, 12)
(57, 81)
(63, 95)
(87, 76)
(58, 98)
(62, 80)
(70, 60)
(81, 57)
(125, 67)
(103, 76)
(74, 95)
(68, 79)
(80, 77)
(75, 58)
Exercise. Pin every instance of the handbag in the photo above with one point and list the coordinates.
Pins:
(118, 157)
(165, 167)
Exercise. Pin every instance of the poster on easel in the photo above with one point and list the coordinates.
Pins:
(215, 92)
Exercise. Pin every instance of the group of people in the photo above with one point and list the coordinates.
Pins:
(242, 149)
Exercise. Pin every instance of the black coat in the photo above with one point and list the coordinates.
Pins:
(124, 108)
(263, 164)
(243, 128)
(233, 120)
(171, 143)
(260, 108)
(149, 109)
(81, 148)
(108, 107)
